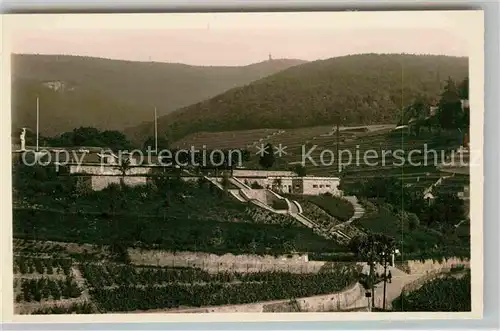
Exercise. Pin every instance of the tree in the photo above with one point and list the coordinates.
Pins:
(419, 112)
(463, 89)
(115, 140)
(277, 184)
(267, 158)
(447, 210)
(300, 170)
(387, 246)
(124, 164)
(246, 155)
(450, 107)
(225, 182)
(373, 248)
(89, 136)
(118, 250)
(413, 221)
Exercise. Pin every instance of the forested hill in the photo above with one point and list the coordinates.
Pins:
(112, 94)
(361, 89)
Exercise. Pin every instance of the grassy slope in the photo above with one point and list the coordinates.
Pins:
(419, 241)
(182, 217)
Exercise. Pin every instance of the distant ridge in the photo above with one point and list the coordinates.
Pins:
(359, 89)
(113, 94)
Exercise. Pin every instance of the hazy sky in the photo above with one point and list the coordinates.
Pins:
(224, 39)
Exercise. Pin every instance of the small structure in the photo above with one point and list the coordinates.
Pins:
(23, 140)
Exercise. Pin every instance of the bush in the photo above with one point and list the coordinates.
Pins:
(413, 221)
(336, 207)
(442, 294)
(279, 204)
(196, 288)
(256, 186)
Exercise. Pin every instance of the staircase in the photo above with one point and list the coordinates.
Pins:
(237, 194)
(238, 183)
(245, 193)
(215, 182)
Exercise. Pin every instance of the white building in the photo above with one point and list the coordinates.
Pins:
(289, 182)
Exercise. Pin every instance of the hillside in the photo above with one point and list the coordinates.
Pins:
(112, 94)
(361, 89)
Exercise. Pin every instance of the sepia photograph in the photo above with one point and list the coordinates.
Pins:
(298, 163)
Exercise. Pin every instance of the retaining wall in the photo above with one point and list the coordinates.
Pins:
(101, 182)
(427, 266)
(320, 303)
(228, 262)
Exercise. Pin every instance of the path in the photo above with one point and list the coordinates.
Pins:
(359, 211)
(393, 289)
(294, 209)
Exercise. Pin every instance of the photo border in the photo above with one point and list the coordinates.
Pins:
(476, 188)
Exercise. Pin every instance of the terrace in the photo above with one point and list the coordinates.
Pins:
(225, 140)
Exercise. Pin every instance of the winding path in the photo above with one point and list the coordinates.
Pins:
(359, 211)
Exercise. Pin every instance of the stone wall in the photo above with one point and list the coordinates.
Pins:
(262, 173)
(430, 266)
(320, 303)
(228, 262)
(99, 183)
(107, 170)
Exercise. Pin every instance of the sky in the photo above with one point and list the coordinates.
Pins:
(240, 39)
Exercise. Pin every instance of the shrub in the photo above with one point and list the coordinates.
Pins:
(256, 186)
(280, 204)
(334, 206)
(413, 221)
(442, 294)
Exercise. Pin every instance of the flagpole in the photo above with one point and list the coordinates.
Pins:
(156, 134)
(37, 120)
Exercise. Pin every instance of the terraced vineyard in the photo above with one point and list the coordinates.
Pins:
(388, 161)
(127, 288)
(42, 284)
(45, 288)
(226, 140)
(31, 265)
